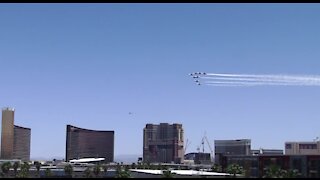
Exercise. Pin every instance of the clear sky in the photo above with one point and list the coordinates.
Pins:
(89, 65)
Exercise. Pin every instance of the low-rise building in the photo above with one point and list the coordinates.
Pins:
(302, 148)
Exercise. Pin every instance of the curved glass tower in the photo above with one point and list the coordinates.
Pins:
(86, 143)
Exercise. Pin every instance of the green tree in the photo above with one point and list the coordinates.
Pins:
(216, 168)
(139, 166)
(235, 169)
(105, 169)
(291, 173)
(87, 173)
(273, 171)
(5, 167)
(24, 170)
(97, 170)
(147, 165)
(38, 166)
(68, 170)
(16, 165)
(133, 166)
(167, 174)
(47, 172)
(159, 167)
(152, 166)
(122, 173)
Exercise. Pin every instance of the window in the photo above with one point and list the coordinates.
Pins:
(307, 146)
(288, 146)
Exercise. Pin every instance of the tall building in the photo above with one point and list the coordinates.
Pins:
(21, 143)
(7, 133)
(15, 140)
(163, 143)
(231, 147)
(86, 143)
(302, 148)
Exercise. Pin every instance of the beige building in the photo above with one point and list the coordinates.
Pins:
(163, 143)
(15, 140)
(302, 148)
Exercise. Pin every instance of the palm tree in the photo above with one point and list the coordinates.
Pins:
(16, 165)
(235, 169)
(139, 166)
(24, 171)
(38, 166)
(216, 168)
(48, 172)
(97, 170)
(133, 165)
(147, 165)
(167, 174)
(68, 170)
(87, 173)
(105, 169)
(5, 167)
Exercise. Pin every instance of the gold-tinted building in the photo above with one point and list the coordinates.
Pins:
(15, 140)
(7, 133)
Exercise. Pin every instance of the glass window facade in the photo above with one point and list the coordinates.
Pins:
(85, 143)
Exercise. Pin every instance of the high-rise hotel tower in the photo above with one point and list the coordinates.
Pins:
(15, 140)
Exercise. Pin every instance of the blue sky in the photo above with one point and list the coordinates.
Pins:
(89, 65)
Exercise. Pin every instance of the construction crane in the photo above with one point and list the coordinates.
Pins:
(186, 146)
(211, 151)
(204, 138)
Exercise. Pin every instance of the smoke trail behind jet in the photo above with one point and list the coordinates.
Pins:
(215, 79)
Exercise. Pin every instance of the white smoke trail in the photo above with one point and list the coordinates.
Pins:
(255, 80)
(249, 79)
(238, 83)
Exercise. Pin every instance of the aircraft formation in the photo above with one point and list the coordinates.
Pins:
(196, 76)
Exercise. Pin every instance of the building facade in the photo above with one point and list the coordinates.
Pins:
(267, 151)
(86, 143)
(308, 166)
(231, 147)
(163, 143)
(199, 157)
(21, 143)
(7, 133)
(15, 140)
(302, 148)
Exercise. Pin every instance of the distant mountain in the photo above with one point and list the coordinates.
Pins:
(127, 158)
